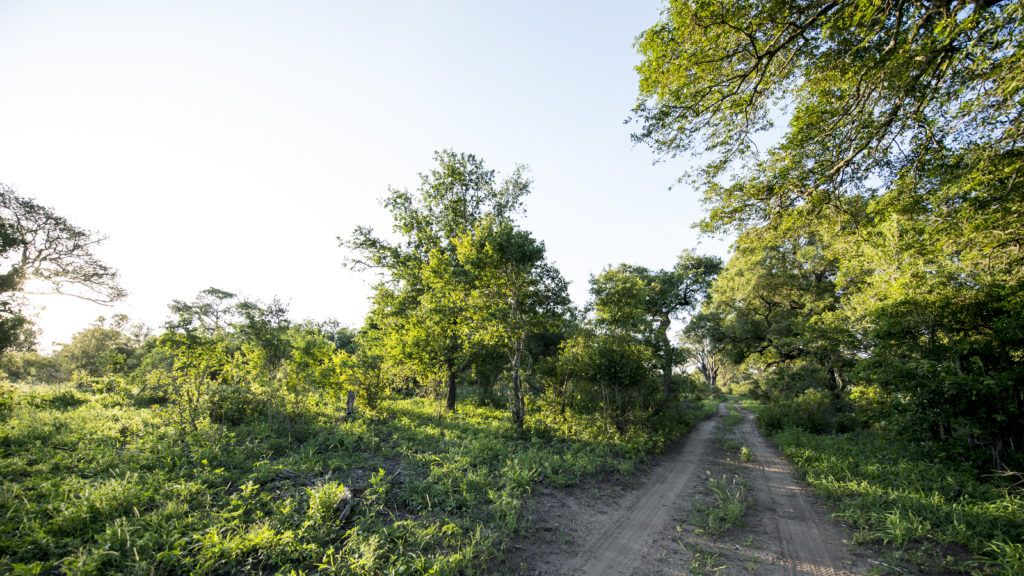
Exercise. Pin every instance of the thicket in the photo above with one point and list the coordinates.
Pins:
(878, 247)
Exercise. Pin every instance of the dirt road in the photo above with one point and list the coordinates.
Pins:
(654, 527)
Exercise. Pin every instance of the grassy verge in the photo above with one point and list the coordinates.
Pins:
(91, 483)
(930, 511)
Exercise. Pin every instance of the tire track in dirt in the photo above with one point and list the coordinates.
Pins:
(806, 542)
(619, 547)
(646, 528)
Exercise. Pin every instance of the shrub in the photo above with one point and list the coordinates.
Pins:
(329, 505)
(109, 384)
(812, 411)
(7, 394)
(234, 405)
(32, 367)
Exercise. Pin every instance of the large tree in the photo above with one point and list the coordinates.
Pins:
(38, 244)
(420, 300)
(515, 294)
(901, 158)
(641, 302)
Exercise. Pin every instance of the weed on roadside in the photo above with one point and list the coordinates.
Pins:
(705, 563)
(725, 507)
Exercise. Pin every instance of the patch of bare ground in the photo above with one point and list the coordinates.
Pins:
(657, 523)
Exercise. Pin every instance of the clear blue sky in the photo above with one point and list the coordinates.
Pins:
(228, 144)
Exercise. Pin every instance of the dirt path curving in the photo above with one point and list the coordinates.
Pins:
(649, 527)
(621, 544)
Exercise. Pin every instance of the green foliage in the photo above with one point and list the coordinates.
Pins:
(879, 238)
(813, 411)
(632, 300)
(91, 483)
(705, 562)
(515, 295)
(727, 502)
(104, 348)
(7, 399)
(419, 309)
(892, 492)
(37, 243)
(22, 366)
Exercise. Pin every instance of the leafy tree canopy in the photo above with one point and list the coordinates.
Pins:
(897, 175)
(38, 244)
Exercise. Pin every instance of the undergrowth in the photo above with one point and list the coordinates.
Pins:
(92, 483)
(931, 509)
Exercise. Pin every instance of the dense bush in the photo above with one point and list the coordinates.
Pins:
(22, 366)
(233, 405)
(813, 411)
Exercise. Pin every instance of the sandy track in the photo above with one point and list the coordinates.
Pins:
(805, 541)
(619, 547)
(644, 528)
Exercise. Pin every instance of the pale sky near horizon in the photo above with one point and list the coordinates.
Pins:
(228, 144)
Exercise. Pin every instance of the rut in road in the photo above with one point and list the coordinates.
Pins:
(619, 547)
(645, 530)
(805, 541)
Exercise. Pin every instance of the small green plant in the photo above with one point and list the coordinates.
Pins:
(1007, 557)
(745, 454)
(733, 418)
(705, 563)
(728, 502)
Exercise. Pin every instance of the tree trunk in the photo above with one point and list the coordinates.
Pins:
(667, 357)
(453, 382)
(516, 403)
(350, 404)
(666, 381)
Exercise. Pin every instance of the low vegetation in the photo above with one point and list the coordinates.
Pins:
(893, 493)
(102, 482)
(725, 503)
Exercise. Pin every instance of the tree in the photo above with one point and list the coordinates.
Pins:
(515, 293)
(638, 301)
(901, 162)
(701, 347)
(420, 299)
(106, 347)
(38, 244)
(620, 367)
(209, 314)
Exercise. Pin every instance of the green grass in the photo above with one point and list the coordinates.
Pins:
(726, 503)
(732, 418)
(705, 563)
(91, 483)
(929, 509)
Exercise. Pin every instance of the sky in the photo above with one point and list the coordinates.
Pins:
(230, 144)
